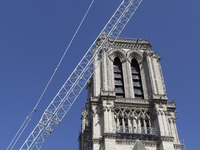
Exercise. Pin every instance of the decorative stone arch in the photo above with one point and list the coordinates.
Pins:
(134, 54)
(117, 53)
(139, 57)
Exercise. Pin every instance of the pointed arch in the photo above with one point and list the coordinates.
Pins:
(136, 77)
(117, 53)
(132, 54)
(118, 78)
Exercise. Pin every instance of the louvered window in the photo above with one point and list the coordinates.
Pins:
(118, 78)
(137, 83)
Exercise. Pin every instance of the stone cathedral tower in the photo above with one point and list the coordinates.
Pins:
(127, 106)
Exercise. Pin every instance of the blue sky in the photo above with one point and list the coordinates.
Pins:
(34, 34)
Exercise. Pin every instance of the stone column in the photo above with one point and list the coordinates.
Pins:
(95, 122)
(176, 133)
(111, 127)
(143, 76)
(150, 129)
(129, 125)
(130, 81)
(123, 124)
(158, 75)
(160, 123)
(165, 123)
(104, 72)
(145, 126)
(139, 126)
(113, 120)
(118, 125)
(110, 75)
(105, 119)
(134, 125)
(151, 74)
(96, 78)
(126, 81)
(172, 129)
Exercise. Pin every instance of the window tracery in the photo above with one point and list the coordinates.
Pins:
(133, 120)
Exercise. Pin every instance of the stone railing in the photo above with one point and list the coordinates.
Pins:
(131, 100)
(134, 130)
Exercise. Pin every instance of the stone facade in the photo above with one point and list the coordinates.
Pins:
(127, 105)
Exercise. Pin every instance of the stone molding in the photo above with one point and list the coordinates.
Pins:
(131, 142)
(132, 43)
(131, 137)
(178, 146)
(108, 108)
(166, 138)
(107, 94)
(125, 56)
(160, 97)
(94, 99)
(120, 53)
(96, 141)
(131, 54)
(109, 135)
(130, 100)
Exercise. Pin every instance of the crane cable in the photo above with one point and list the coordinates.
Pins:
(28, 118)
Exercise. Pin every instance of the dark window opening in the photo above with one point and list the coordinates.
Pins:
(118, 78)
(120, 121)
(136, 77)
(147, 123)
(141, 122)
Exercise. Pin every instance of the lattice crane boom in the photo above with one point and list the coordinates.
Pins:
(73, 86)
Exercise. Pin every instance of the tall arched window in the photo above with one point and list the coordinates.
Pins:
(118, 78)
(137, 83)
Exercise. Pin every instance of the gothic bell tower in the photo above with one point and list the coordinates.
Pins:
(127, 106)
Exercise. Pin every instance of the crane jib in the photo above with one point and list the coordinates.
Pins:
(73, 86)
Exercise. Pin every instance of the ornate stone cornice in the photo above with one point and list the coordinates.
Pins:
(131, 43)
(171, 105)
(166, 138)
(178, 146)
(109, 135)
(94, 99)
(96, 141)
(131, 100)
(118, 107)
(159, 97)
(110, 94)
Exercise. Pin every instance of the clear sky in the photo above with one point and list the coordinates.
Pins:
(34, 34)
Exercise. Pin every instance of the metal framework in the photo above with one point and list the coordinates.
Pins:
(71, 89)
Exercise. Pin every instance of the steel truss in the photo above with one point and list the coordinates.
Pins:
(69, 92)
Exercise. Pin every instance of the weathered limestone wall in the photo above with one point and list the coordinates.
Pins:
(105, 112)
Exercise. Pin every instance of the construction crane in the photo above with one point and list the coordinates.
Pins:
(73, 86)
